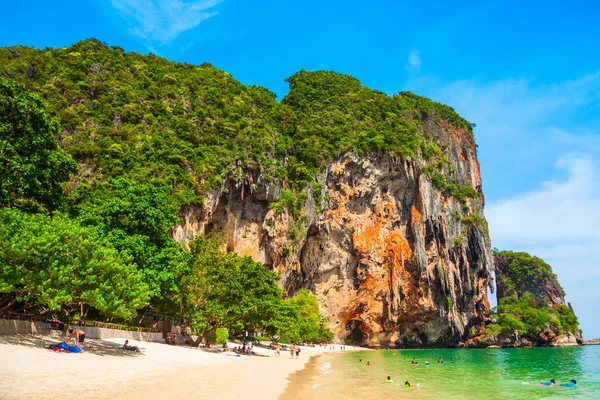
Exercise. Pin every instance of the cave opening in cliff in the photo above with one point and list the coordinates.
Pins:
(356, 336)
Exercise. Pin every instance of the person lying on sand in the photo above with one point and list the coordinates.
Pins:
(126, 346)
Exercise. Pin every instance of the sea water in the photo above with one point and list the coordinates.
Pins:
(476, 374)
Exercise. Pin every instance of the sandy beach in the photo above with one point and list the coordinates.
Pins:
(30, 371)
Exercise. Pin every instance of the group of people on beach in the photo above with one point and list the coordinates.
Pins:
(78, 337)
(294, 349)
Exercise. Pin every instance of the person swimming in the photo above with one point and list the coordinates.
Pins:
(389, 380)
(440, 360)
(406, 384)
(360, 360)
(426, 362)
(368, 364)
(552, 382)
(571, 383)
(452, 361)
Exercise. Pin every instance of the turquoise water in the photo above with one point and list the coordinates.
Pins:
(477, 374)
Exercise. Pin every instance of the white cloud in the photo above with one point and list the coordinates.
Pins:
(164, 20)
(414, 60)
(557, 212)
(509, 106)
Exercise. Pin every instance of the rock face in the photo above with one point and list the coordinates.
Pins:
(393, 260)
(543, 284)
(518, 273)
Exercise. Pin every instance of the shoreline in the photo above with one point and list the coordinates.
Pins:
(31, 371)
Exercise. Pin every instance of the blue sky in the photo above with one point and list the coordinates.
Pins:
(527, 74)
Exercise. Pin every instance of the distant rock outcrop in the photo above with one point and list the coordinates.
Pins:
(532, 308)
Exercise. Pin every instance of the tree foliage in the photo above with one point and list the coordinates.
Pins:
(32, 166)
(225, 290)
(53, 262)
(298, 319)
(191, 126)
(530, 315)
(136, 218)
(228, 291)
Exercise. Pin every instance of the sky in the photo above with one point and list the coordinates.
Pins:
(527, 74)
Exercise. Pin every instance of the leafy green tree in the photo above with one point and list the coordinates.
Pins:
(32, 166)
(298, 319)
(137, 220)
(226, 291)
(310, 317)
(54, 263)
(219, 336)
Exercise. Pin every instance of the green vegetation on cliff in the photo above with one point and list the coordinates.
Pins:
(32, 166)
(530, 299)
(143, 117)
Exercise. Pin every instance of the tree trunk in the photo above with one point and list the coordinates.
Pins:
(190, 341)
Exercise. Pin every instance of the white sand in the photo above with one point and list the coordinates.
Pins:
(30, 371)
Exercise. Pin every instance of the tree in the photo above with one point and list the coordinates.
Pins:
(54, 263)
(32, 166)
(298, 319)
(136, 218)
(310, 316)
(226, 291)
(219, 336)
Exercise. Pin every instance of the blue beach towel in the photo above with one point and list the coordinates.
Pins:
(65, 347)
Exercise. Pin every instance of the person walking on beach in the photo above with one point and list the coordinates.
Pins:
(292, 350)
(297, 351)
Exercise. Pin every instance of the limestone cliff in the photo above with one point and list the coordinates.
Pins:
(393, 260)
(519, 273)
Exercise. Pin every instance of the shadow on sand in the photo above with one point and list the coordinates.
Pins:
(93, 346)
